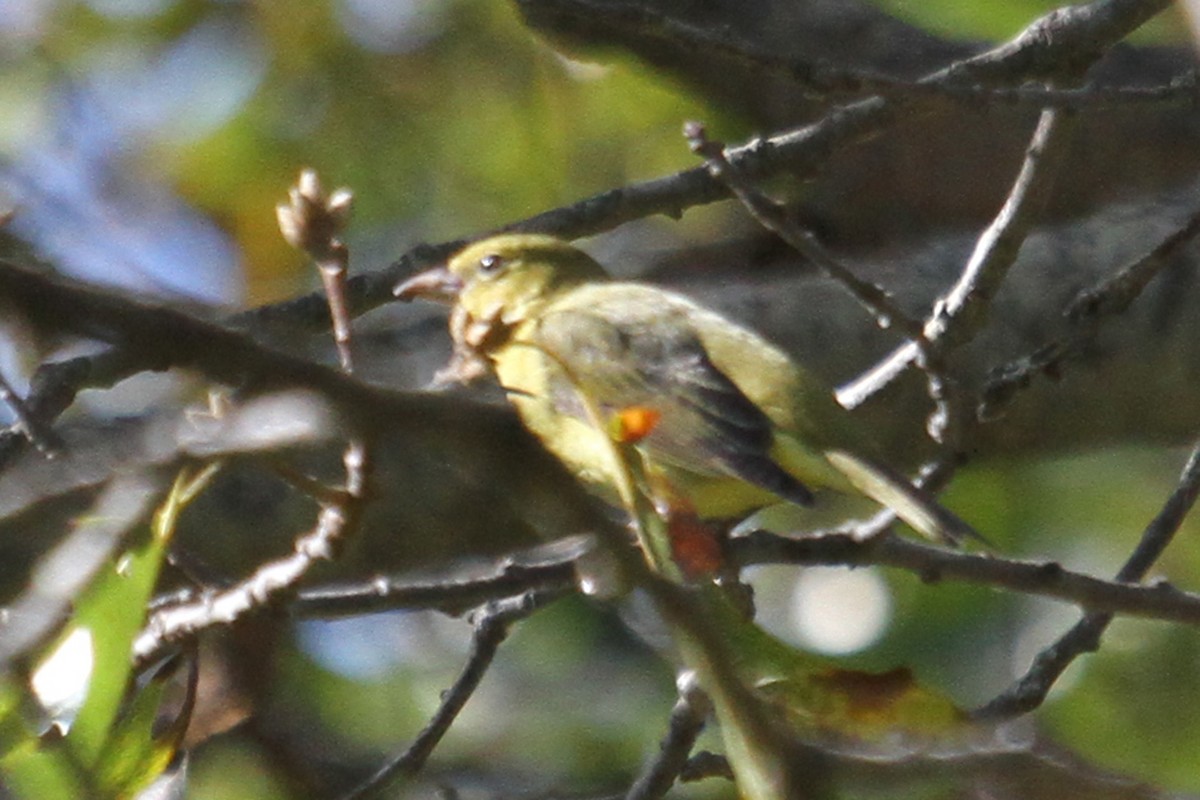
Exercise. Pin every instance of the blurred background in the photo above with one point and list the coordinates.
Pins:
(144, 144)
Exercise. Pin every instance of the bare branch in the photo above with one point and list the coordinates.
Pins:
(1181, 90)
(1031, 689)
(817, 77)
(155, 336)
(491, 629)
(313, 222)
(932, 564)
(42, 437)
(452, 594)
(1087, 311)
(962, 312)
(272, 580)
(951, 418)
(774, 217)
(686, 722)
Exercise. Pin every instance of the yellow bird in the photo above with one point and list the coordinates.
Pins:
(736, 424)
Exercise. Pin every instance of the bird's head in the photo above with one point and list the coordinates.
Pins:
(507, 277)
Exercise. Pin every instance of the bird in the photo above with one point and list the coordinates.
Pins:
(729, 422)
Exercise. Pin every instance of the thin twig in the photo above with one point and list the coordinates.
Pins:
(452, 594)
(686, 722)
(1181, 90)
(1086, 313)
(858, 547)
(491, 629)
(41, 436)
(774, 217)
(861, 546)
(312, 222)
(951, 420)
(270, 581)
(1028, 692)
(964, 309)
(962, 312)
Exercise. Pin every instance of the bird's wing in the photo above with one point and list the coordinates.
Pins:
(914, 505)
(622, 354)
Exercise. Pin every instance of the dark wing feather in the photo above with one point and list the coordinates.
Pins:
(625, 355)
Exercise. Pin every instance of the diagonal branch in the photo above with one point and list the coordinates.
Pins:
(1031, 689)
(774, 217)
(1087, 311)
(150, 335)
(948, 424)
(686, 723)
(963, 311)
(491, 629)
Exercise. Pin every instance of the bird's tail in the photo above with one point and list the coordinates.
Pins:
(914, 505)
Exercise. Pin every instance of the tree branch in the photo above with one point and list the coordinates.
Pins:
(963, 311)
(312, 222)
(491, 629)
(452, 594)
(932, 564)
(686, 723)
(1086, 312)
(1031, 689)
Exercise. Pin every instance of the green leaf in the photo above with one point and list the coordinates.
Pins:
(133, 756)
(29, 769)
(126, 754)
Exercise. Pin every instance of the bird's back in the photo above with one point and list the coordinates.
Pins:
(732, 405)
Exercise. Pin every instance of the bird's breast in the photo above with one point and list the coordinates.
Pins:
(552, 410)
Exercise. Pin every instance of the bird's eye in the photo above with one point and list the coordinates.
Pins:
(491, 263)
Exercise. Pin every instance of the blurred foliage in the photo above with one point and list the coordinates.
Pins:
(459, 120)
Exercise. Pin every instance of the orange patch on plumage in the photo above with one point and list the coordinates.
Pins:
(632, 424)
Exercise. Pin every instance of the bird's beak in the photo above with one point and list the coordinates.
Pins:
(438, 284)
